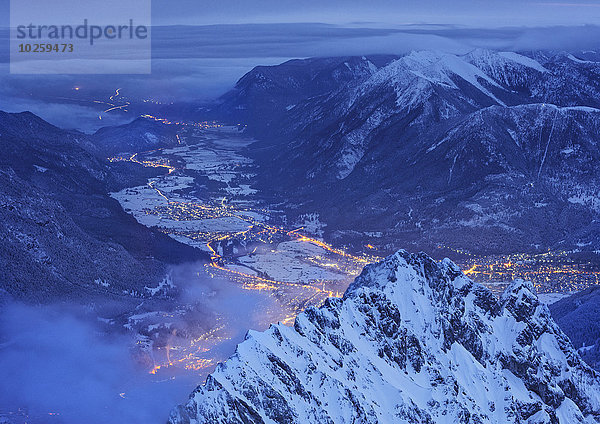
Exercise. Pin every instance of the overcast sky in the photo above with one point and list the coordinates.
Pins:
(389, 12)
(227, 38)
(478, 13)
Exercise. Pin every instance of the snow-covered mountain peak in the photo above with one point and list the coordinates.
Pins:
(436, 69)
(412, 341)
(440, 67)
(494, 74)
(483, 58)
(404, 268)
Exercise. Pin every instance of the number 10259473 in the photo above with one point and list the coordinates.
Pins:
(45, 48)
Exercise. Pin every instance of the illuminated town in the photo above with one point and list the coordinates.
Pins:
(551, 272)
(288, 267)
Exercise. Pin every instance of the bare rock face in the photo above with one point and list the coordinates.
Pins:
(412, 341)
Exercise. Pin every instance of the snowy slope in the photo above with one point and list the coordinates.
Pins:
(412, 341)
(402, 148)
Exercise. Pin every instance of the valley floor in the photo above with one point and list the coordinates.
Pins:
(207, 200)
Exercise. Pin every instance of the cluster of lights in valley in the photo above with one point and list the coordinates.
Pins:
(551, 271)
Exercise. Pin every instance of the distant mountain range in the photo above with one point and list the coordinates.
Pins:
(63, 236)
(491, 151)
(412, 341)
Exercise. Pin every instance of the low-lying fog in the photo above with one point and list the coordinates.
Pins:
(62, 364)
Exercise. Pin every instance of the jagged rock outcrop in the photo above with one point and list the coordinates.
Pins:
(411, 341)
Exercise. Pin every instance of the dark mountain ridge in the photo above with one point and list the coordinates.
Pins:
(63, 236)
(432, 147)
(139, 135)
(579, 317)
